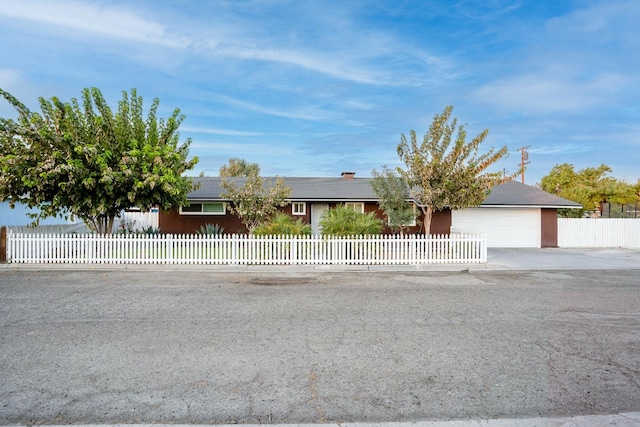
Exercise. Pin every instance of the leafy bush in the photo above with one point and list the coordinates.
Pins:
(210, 230)
(283, 224)
(344, 221)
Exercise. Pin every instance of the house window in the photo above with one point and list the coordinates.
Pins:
(410, 223)
(299, 208)
(358, 207)
(413, 220)
(209, 208)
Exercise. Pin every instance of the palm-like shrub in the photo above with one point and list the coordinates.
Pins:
(210, 230)
(282, 224)
(344, 221)
(150, 230)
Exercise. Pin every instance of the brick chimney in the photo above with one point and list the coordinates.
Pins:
(348, 175)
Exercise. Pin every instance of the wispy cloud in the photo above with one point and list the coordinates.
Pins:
(559, 149)
(325, 38)
(486, 9)
(599, 22)
(547, 93)
(108, 21)
(9, 77)
(233, 147)
(216, 131)
(304, 113)
(358, 104)
(573, 63)
(354, 62)
(263, 153)
(309, 60)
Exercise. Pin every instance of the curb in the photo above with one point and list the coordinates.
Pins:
(626, 419)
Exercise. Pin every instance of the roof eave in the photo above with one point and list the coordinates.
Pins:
(334, 199)
(293, 199)
(533, 206)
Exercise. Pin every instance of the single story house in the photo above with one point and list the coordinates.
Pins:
(513, 215)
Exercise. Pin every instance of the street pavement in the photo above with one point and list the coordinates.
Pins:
(498, 259)
(532, 338)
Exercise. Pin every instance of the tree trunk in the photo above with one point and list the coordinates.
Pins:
(101, 225)
(427, 213)
(110, 225)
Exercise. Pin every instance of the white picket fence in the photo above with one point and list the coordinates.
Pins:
(599, 233)
(246, 249)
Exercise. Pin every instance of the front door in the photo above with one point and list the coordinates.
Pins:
(317, 209)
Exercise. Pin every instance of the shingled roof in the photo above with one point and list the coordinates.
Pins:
(302, 189)
(513, 193)
(509, 194)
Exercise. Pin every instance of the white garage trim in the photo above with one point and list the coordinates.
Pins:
(505, 227)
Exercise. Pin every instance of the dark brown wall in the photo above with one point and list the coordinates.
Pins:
(373, 207)
(441, 222)
(171, 222)
(549, 228)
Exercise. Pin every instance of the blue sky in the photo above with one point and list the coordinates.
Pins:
(317, 87)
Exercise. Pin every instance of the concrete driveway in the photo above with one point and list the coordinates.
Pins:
(561, 258)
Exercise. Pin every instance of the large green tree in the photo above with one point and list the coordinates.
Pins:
(393, 198)
(239, 167)
(591, 187)
(254, 199)
(81, 158)
(444, 170)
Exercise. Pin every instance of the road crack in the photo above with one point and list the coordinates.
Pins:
(314, 396)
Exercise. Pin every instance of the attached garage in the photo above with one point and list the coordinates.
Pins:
(515, 215)
(505, 227)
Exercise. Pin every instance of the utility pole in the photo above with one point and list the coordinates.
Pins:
(524, 156)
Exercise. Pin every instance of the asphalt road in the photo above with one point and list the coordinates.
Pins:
(154, 346)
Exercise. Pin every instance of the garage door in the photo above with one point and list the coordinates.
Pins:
(505, 228)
